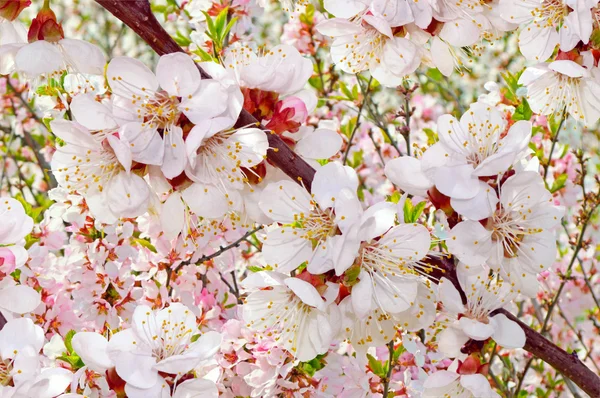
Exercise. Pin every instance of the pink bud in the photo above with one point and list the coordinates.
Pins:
(300, 111)
(7, 260)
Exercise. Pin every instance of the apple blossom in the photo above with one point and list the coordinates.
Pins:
(475, 147)
(159, 342)
(516, 238)
(309, 223)
(564, 84)
(306, 319)
(475, 319)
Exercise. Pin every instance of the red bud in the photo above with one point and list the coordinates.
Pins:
(10, 9)
(45, 27)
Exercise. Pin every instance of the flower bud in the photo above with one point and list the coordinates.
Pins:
(45, 27)
(10, 9)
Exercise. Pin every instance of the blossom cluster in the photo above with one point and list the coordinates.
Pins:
(309, 199)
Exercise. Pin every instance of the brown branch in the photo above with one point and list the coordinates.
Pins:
(138, 16)
(567, 364)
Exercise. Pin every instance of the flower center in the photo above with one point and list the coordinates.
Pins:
(549, 13)
(5, 369)
(160, 111)
(318, 225)
(363, 49)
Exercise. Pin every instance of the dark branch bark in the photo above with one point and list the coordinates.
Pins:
(568, 364)
(138, 16)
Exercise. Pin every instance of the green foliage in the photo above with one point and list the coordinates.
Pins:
(71, 356)
(559, 183)
(412, 212)
(145, 243)
(219, 28)
(313, 365)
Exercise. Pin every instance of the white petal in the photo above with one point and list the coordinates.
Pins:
(457, 181)
(305, 291)
(175, 157)
(440, 379)
(128, 195)
(478, 385)
(450, 297)
(537, 44)
(480, 206)
(508, 334)
(475, 329)
(205, 200)
(282, 200)
(92, 114)
(178, 74)
(330, 179)
(19, 299)
(38, 58)
(145, 144)
(407, 174)
(92, 348)
(470, 242)
(84, 57)
(19, 333)
(172, 216)
(197, 388)
(209, 101)
(319, 144)
(207, 345)
(460, 32)
(451, 341)
(121, 150)
(362, 295)
(128, 77)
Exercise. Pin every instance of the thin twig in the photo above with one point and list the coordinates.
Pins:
(358, 121)
(386, 382)
(554, 139)
(208, 257)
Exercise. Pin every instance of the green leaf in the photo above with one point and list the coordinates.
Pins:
(69, 341)
(310, 367)
(146, 244)
(182, 40)
(559, 183)
(394, 198)
(523, 111)
(73, 360)
(432, 136)
(204, 56)
(376, 366)
(351, 275)
(411, 212)
(346, 91)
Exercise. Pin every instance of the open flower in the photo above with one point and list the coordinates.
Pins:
(386, 257)
(305, 319)
(23, 372)
(156, 102)
(161, 342)
(477, 146)
(564, 84)
(98, 166)
(461, 380)
(516, 239)
(547, 23)
(367, 42)
(474, 320)
(309, 222)
(282, 69)
(48, 53)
